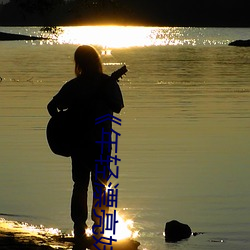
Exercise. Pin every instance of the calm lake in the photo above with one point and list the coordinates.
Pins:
(185, 134)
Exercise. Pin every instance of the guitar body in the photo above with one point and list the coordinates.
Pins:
(62, 131)
(59, 133)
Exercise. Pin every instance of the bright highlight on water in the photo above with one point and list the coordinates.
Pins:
(124, 230)
(124, 37)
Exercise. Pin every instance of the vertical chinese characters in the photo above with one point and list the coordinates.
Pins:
(106, 194)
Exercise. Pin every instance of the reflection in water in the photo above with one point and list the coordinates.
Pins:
(122, 37)
(124, 229)
(135, 36)
(107, 36)
(41, 235)
(26, 229)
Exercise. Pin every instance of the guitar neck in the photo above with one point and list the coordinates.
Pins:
(119, 73)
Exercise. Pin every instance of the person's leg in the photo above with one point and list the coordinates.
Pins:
(79, 206)
(79, 209)
(99, 178)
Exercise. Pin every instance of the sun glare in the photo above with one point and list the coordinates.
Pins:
(106, 36)
(110, 37)
(124, 230)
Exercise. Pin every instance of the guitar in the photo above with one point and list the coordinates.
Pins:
(116, 75)
(60, 127)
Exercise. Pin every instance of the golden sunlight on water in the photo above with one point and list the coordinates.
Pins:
(122, 36)
(23, 227)
(124, 229)
(106, 36)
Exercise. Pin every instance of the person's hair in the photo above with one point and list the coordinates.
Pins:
(87, 60)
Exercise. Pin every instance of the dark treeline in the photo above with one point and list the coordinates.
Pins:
(61, 12)
(192, 13)
(218, 13)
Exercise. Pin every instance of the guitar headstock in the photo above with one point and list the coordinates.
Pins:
(119, 73)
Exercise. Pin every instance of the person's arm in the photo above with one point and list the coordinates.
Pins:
(52, 108)
(61, 100)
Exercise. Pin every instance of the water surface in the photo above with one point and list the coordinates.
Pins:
(184, 143)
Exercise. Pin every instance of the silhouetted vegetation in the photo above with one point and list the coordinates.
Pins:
(126, 12)
(61, 12)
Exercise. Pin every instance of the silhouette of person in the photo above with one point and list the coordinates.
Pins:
(90, 95)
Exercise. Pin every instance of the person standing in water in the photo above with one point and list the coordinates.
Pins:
(91, 94)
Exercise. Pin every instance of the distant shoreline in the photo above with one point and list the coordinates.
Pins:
(16, 37)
